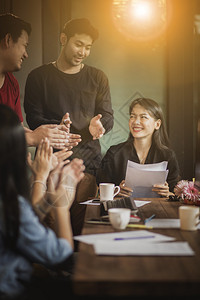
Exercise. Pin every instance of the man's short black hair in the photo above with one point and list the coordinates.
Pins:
(13, 25)
(80, 26)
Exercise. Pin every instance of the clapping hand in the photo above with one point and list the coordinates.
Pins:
(96, 128)
(42, 164)
(66, 121)
(62, 183)
(60, 156)
(72, 139)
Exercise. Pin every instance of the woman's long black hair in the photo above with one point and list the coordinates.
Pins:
(160, 137)
(13, 171)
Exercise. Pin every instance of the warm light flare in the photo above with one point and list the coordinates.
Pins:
(142, 10)
(140, 19)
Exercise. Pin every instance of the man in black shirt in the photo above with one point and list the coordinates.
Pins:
(69, 86)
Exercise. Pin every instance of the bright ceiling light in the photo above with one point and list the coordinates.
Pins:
(141, 19)
(141, 10)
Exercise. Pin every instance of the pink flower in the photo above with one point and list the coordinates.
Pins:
(191, 192)
(180, 187)
(186, 190)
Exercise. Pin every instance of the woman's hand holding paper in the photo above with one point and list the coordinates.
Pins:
(124, 190)
(162, 189)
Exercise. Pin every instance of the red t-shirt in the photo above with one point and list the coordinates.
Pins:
(10, 95)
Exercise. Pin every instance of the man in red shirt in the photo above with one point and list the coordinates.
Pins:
(14, 34)
(9, 94)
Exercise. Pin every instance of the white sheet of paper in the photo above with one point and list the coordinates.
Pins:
(89, 202)
(133, 247)
(138, 235)
(141, 178)
(162, 166)
(166, 223)
(138, 203)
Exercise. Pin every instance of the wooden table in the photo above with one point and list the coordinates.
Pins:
(135, 276)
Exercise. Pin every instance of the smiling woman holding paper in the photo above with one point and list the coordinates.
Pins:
(147, 143)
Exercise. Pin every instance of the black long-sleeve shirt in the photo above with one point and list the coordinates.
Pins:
(114, 163)
(50, 93)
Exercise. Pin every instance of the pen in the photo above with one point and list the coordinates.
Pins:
(149, 219)
(134, 238)
(139, 226)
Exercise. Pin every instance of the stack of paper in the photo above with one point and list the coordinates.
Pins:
(141, 178)
(141, 249)
(166, 223)
(140, 242)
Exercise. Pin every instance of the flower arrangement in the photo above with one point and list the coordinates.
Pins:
(186, 192)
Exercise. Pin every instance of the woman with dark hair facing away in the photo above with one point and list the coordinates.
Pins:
(147, 143)
(23, 238)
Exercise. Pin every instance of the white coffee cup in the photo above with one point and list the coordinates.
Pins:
(108, 191)
(189, 217)
(119, 217)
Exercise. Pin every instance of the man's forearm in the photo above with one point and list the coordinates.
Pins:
(29, 137)
(107, 122)
(36, 120)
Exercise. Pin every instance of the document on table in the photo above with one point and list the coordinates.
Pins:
(91, 202)
(138, 235)
(166, 223)
(138, 203)
(140, 242)
(135, 248)
(141, 178)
